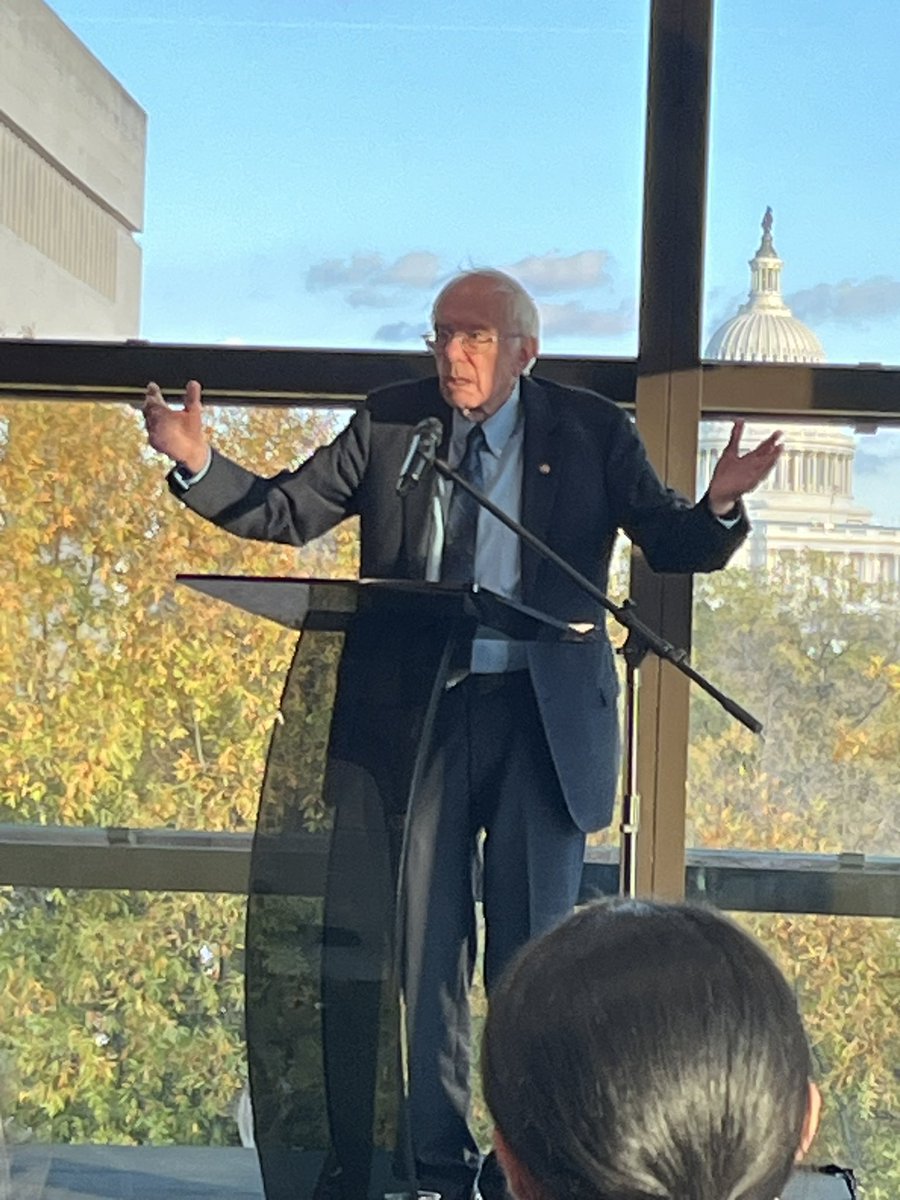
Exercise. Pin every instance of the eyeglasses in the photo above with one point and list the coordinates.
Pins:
(473, 341)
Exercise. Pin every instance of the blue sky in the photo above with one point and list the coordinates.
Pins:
(317, 167)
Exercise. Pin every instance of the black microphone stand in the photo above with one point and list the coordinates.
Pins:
(641, 639)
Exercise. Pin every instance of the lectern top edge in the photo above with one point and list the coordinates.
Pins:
(298, 603)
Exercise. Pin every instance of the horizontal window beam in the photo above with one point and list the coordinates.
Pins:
(867, 394)
(194, 861)
(118, 371)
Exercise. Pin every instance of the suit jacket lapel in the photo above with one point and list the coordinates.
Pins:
(540, 473)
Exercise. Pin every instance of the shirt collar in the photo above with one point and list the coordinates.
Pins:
(498, 428)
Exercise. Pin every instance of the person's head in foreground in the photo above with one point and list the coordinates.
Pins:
(647, 1050)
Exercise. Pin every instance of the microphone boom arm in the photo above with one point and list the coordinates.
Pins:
(641, 639)
(624, 614)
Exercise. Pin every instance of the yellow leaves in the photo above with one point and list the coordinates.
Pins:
(849, 743)
(884, 671)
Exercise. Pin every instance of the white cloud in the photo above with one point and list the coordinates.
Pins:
(418, 269)
(401, 331)
(413, 271)
(336, 272)
(367, 280)
(552, 272)
(848, 302)
(370, 297)
(557, 320)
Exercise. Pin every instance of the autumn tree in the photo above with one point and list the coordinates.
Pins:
(130, 701)
(814, 652)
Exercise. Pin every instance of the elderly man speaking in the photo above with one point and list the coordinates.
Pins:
(526, 744)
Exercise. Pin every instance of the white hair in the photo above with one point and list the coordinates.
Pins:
(521, 309)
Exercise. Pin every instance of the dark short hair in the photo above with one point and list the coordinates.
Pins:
(647, 1050)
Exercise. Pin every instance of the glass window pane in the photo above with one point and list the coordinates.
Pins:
(804, 118)
(313, 173)
(844, 971)
(803, 629)
(128, 700)
(122, 1017)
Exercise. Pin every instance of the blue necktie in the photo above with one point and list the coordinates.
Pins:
(458, 561)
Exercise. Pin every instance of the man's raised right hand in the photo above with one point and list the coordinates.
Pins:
(177, 433)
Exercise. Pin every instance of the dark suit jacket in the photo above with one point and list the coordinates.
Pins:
(585, 475)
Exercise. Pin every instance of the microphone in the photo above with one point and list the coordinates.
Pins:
(426, 437)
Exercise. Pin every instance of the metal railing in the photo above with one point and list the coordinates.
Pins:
(164, 860)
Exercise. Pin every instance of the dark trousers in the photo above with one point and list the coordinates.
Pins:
(488, 768)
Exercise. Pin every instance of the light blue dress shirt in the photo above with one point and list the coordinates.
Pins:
(497, 549)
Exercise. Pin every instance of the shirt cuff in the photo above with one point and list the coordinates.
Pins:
(728, 522)
(731, 518)
(183, 477)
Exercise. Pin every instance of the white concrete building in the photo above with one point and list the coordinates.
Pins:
(72, 150)
(807, 504)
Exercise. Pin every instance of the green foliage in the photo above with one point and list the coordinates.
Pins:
(846, 973)
(815, 656)
(122, 1015)
(129, 701)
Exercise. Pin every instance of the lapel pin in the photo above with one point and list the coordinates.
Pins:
(544, 468)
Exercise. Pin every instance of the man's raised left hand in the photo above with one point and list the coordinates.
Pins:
(736, 474)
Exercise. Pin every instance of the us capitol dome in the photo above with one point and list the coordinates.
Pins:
(764, 329)
(807, 504)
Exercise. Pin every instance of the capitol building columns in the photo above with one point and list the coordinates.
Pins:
(807, 504)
